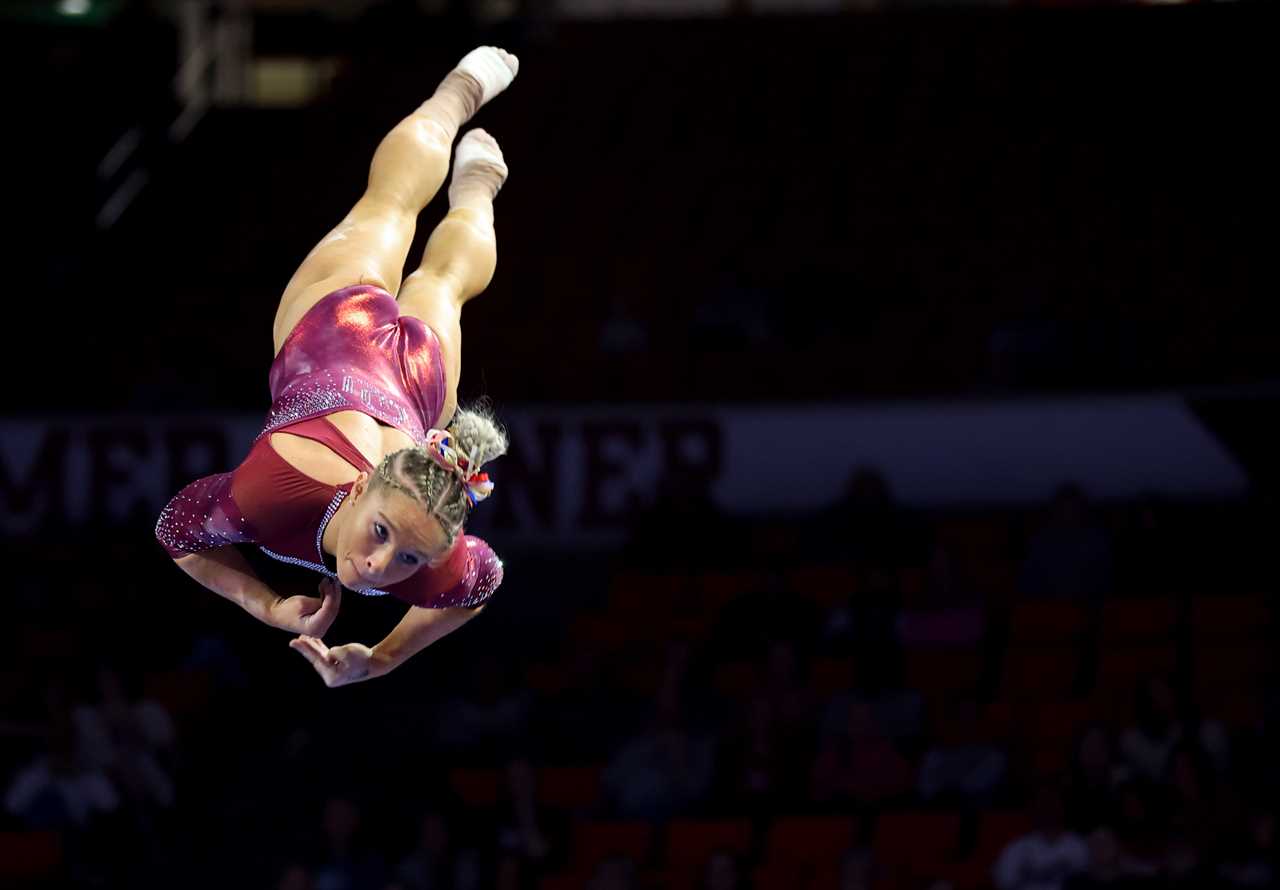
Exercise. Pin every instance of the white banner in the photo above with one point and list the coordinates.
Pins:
(576, 475)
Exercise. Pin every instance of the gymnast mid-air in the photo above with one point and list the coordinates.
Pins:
(365, 470)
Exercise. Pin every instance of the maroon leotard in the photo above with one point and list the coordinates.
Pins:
(352, 351)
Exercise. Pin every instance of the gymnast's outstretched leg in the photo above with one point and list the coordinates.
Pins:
(371, 244)
(461, 254)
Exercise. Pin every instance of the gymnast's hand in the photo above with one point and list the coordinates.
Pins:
(307, 614)
(339, 665)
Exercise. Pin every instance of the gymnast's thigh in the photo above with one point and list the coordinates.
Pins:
(368, 247)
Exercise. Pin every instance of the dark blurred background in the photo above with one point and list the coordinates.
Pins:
(891, 496)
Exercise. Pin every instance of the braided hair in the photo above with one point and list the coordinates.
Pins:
(441, 491)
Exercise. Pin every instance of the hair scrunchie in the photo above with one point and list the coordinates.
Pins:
(440, 446)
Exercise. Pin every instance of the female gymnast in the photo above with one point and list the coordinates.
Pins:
(364, 471)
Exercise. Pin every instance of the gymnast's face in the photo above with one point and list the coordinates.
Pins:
(386, 538)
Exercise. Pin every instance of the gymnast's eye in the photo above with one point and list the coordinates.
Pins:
(380, 530)
(409, 559)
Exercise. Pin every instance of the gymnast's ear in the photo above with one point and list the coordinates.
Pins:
(361, 483)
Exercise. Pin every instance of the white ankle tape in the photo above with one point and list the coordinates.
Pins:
(470, 151)
(486, 66)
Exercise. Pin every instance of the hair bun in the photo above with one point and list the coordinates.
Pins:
(478, 434)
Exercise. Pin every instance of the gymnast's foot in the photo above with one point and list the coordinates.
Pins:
(482, 74)
(478, 172)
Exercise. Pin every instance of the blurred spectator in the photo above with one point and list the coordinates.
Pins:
(683, 511)
(490, 721)
(1252, 861)
(1090, 797)
(722, 872)
(860, 763)
(343, 861)
(1143, 840)
(662, 771)
(1048, 856)
(1191, 808)
(1149, 558)
(519, 826)
(128, 737)
(758, 759)
(614, 873)
(510, 873)
(622, 333)
(295, 877)
(58, 789)
(1070, 556)
(1160, 725)
(962, 766)
(793, 703)
(429, 865)
(1109, 867)
(857, 869)
(588, 698)
(868, 527)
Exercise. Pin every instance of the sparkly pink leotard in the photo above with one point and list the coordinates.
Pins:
(352, 351)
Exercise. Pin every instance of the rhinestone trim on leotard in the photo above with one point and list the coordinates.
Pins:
(320, 566)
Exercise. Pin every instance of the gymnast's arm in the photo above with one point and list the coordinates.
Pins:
(442, 599)
(353, 662)
(199, 529)
(418, 629)
(227, 573)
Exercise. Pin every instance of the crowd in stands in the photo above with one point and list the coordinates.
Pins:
(1077, 697)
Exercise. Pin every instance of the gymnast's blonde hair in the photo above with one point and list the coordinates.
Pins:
(477, 435)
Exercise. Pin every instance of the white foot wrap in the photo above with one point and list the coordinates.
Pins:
(493, 67)
(477, 163)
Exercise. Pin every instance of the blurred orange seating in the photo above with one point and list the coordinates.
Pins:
(25, 855)
(610, 632)
(1237, 708)
(638, 669)
(1047, 622)
(593, 842)
(831, 675)
(1040, 672)
(570, 880)
(476, 787)
(1246, 663)
(717, 589)
(181, 692)
(1046, 721)
(1140, 619)
(674, 877)
(827, 585)
(1122, 668)
(736, 679)
(995, 830)
(1230, 616)
(546, 678)
(906, 838)
(914, 584)
(630, 592)
(784, 876)
(808, 839)
(569, 787)
(943, 670)
(691, 842)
